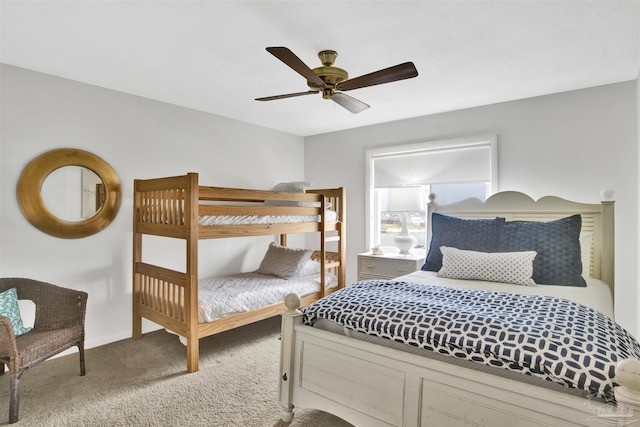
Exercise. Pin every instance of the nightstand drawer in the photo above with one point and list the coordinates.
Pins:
(385, 267)
(388, 265)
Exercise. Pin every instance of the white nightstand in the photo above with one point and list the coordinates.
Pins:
(387, 266)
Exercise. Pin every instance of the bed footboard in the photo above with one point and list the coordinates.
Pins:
(163, 296)
(366, 384)
(628, 393)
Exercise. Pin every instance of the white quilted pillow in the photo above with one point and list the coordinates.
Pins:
(284, 262)
(311, 267)
(504, 267)
(293, 187)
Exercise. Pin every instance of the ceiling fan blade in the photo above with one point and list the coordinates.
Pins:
(288, 95)
(349, 102)
(289, 58)
(388, 75)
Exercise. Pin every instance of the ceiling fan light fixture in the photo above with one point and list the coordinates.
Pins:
(327, 57)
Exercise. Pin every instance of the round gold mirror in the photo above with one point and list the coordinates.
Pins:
(98, 188)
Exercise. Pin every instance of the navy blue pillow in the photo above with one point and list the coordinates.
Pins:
(557, 243)
(469, 234)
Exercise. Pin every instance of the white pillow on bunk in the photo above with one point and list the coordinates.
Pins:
(311, 267)
(284, 262)
(292, 187)
(327, 205)
(504, 267)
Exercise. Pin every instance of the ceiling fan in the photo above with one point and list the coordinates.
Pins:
(333, 81)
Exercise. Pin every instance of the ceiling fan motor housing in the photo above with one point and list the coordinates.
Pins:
(328, 73)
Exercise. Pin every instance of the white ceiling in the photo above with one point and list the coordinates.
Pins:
(210, 55)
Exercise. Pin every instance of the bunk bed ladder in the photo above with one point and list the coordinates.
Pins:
(338, 201)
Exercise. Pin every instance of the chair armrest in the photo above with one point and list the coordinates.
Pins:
(8, 347)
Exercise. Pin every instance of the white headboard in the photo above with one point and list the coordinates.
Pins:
(512, 205)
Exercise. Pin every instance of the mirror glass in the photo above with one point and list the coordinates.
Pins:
(69, 193)
(73, 193)
(92, 193)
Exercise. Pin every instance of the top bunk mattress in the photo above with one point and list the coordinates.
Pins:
(330, 216)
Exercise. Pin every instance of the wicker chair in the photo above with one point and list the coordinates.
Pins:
(59, 325)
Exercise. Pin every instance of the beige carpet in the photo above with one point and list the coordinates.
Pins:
(144, 383)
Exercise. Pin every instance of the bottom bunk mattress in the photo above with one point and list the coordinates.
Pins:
(550, 339)
(224, 296)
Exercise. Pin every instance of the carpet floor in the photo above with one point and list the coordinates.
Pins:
(144, 383)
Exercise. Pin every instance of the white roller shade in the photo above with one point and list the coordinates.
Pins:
(470, 163)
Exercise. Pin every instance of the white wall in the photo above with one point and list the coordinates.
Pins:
(139, 138)
(569, 144)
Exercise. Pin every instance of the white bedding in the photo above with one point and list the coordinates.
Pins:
(596, 295)
(226, 295)
(264, 219)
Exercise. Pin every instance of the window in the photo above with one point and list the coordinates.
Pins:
(400, 179)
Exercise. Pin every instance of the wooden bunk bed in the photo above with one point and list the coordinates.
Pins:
(176, 206)
(366, 383)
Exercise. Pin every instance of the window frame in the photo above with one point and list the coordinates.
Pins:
(371, 154)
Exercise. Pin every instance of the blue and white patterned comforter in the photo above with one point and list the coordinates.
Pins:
(548, 337)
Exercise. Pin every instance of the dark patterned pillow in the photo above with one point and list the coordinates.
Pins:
(469, 234)
(557, 244)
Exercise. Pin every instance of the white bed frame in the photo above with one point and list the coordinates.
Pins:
(369, 385)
